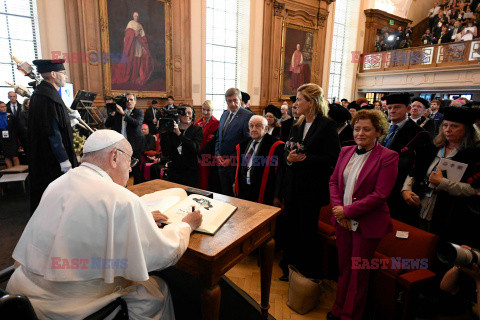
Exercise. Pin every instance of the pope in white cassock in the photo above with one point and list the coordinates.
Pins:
(91, 240)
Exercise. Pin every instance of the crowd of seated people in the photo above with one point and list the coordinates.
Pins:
(448, 21)
(452, 21)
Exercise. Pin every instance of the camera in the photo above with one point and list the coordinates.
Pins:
(292, 145)
(454, 254)
(121, 100)
(168, 117)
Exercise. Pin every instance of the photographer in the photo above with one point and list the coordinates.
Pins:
(128, 120)
(180, 148)
(456, 283)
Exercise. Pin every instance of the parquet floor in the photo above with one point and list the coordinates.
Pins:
(246, 275)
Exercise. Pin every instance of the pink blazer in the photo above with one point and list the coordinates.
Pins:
(374, 185)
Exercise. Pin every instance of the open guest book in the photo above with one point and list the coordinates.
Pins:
(175, 204)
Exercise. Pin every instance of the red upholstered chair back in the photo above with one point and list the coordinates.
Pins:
(419, 245)
(324, 225)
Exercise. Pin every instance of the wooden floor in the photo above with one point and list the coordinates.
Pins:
(246, 275)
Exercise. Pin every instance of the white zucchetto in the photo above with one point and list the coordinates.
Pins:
(101, 139)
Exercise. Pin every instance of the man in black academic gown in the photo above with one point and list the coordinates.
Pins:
(50, 137)
(417, 114)
(254, 156)
(342, 118)
(413, 145)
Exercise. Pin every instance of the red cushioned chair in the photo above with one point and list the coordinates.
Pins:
(149, 153)
(327, 233)
(395, 288)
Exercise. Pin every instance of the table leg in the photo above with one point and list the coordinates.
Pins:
(267, 251)
(211, 302)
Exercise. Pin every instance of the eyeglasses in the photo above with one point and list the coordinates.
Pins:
(133, 161)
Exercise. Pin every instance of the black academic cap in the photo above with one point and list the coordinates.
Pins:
(273, 110)
(368, 107)
(245, 97)
(338, 113)
(353, 105)
(49, 65)
(399, 98)
(462, 115)
(425, 103)
(293, 98)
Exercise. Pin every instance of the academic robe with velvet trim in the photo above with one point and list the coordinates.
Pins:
(85, 215)
(413, 144)
(251, 192)
(455, 218)
(46, 105)
(346, 136)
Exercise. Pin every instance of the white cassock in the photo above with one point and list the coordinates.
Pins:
(110, 242)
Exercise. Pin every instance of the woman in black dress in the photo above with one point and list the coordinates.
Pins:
(311, 153)
(8, 137)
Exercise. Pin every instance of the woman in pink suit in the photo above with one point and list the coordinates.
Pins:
(359, 187)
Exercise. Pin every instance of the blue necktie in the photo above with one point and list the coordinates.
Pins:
(391, 134)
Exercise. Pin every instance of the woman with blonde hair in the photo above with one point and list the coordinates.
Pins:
(311, 153)
(209, 126)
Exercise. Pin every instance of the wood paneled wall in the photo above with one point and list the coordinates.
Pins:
(307, 13)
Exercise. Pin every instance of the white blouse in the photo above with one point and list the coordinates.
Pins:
(350, 175)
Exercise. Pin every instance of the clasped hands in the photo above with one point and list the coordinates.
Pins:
(293, 156)
(342, 219)
(412, 199)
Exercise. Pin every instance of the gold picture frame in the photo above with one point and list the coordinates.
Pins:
(292, 36)
(153, 86)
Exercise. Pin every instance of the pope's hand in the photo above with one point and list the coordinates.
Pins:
(194, 219)
(157, 215)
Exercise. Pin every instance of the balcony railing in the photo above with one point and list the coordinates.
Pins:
(440, 55)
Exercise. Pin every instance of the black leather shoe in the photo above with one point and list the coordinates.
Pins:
(330, 316)
(283, 278)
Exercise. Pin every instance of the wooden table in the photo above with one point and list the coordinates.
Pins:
(209, 257)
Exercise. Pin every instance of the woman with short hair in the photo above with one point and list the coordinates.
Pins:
(363, 179)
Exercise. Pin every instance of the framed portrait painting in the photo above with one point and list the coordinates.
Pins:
(297, 58)
(135, 47)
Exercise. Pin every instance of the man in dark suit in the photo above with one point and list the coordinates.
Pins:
(151, 117)
(129, 122)
(170, 103)
(417, 112)
(412, 144)
(13, 106)
(232, 130)
(258, 161)
(435, 115)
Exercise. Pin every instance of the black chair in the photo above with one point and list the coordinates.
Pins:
(19, 307)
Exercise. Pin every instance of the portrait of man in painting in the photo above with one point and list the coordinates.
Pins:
(297, 60)
(136, 31)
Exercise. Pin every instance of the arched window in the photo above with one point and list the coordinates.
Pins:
(227, 37)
